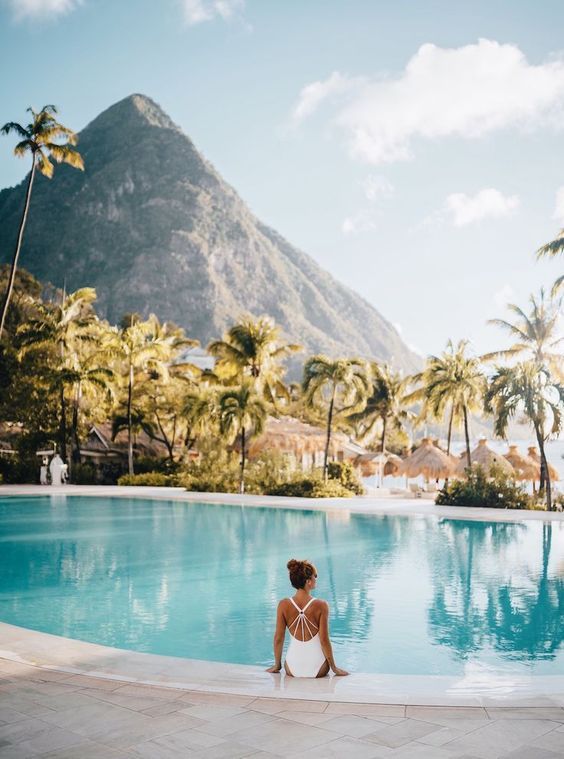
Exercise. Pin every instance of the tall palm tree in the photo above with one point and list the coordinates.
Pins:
(452, 381)
(201, 412)
(242, 414)
(341, 385)
(144, 345)
(42, 139)
(536, 333)
(552, 249)
(385, 404)
(254, 348)
(530, 388)
(65, 326)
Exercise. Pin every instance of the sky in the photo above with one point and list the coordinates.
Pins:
(414, 149)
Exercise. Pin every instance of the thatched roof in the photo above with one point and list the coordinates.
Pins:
(290, 435)
(427, 460)
(525, 467)
(483, 456)
(535, 456)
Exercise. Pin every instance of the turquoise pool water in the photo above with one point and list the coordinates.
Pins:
(411, 595)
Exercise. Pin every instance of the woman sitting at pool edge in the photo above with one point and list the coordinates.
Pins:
(310, 653)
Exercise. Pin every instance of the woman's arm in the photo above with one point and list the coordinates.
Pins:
(278, 642)
(325, 641)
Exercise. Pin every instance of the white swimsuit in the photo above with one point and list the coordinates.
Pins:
(304, 657)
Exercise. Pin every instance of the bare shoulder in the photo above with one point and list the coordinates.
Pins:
(322, 605)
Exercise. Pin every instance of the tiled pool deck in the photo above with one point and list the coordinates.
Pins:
(66, 698)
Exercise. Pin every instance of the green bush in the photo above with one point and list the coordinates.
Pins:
(216, 470)
(147, 464)
(310, 487)
(150, 479)
(84, 474)
(345, 473)
(488, 490)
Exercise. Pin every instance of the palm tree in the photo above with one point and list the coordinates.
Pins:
(201, 411)
(41, 138)
(536, 333)
(254, 348)
(452, 381)
(66, 327)
(385, 404)
(144, 345)
(242, 414)
(552, 249)
(343, 385)
(528, 387)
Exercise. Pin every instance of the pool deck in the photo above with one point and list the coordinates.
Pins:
(67, 698)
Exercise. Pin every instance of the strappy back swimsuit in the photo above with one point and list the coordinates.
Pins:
(304, 657)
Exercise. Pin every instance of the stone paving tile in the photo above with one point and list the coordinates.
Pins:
(202, 697)
(433, 713)
(211, 713)
(87, 750)
(554, 713)
(501, 737)
(418, 751)
(284, 738)
(531, 752)
(227, 750)
(25, 706)
(442, 736)
(167, 694)
(377, 711)
(147, 728)
(88, 681)
(352, 748)
(49, 740)
(177, 744)
(404, 732)
(238, 722)
(306, 718)
(275, 705)
(352, 725)
(164, 707)
(135, 703)
(8, 715)
(553, 740)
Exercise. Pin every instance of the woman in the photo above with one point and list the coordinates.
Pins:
(307, 619)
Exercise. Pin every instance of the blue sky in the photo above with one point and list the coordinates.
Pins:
(414, 149)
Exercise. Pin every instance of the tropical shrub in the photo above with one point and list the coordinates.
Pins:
(310, 487)
(150, 479)
(84, 474)
(345, 474)
(488, 490)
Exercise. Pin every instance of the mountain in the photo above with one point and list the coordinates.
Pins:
(154, 228)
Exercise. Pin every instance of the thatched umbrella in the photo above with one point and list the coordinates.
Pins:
(525, 467)
(485, 457)
(427, 460)
(290, 435)
(393, 464)
(535, 456)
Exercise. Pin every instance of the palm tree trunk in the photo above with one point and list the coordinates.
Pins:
(449, 436)
(544, 469)
(466, 435)
(75, 414)
(14, 266)
(63, 424)
(243, 458)
(384, 426)
(129, 424)
(328, 440)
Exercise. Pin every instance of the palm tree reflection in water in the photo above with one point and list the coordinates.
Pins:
(520, 615)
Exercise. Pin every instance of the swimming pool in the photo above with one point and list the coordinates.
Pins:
(409, 595)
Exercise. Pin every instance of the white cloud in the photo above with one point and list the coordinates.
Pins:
(198, 11)
(377, 187)
(559, 206)
(443, 92)
(489, 203)
(503, 296)
(41, 9)
(362, 221)
(312, 95)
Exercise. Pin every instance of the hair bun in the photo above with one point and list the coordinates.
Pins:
(293, 564)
